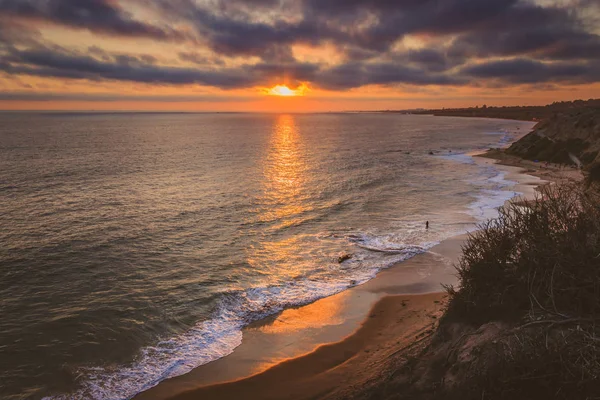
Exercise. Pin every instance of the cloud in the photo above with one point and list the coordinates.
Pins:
(539, 32)
(243, 43)
(113, 97)
(519, 71)
(48, 63)
(356, 74)
(100, 65)
(365, 29)
(95, 15)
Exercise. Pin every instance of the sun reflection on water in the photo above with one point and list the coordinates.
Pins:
(285, 172)
(285, 202)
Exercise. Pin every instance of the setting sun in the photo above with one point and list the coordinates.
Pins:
(283, 90)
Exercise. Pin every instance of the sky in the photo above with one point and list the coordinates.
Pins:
(296, 55)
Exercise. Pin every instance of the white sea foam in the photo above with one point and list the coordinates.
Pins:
(217, 337)
(492, 187)
(494, 191)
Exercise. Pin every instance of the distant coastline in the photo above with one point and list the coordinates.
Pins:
(520, 113)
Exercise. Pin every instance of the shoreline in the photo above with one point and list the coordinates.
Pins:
(298, 332)
(287, 339)
(394, 322)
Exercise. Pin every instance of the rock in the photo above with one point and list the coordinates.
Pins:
(344, 257)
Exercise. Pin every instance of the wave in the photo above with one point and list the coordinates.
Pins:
(218, 336)
(493, 192)
(493, 189)
(383, 245)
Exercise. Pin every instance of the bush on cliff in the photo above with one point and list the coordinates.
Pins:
(544, 255)
(536, 268)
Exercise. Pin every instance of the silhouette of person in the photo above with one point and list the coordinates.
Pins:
(427, 225)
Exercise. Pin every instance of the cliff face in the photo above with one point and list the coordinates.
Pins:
(566, 137)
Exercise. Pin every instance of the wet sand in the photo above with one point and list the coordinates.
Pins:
(327, 348)
(298, 332)
(394, 323)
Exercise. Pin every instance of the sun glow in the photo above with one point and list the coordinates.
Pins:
(285, 91)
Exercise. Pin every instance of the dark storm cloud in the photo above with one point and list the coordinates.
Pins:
(33, 96)
(365, 29)
(366, 24)
(95, 15)
(431, 17)
(356, 74)
(195, 58)
(48, 63)
(427, 59)
(243, 36)
(537, 42)
(518, 71)
(544, 33)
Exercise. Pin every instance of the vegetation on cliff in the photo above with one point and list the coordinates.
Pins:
(542, 256)
(524, 323)
(568, 137)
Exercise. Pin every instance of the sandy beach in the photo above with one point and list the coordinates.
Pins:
(395, 324)
(329, 341)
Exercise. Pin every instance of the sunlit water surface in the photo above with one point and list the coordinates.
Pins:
(135, 247)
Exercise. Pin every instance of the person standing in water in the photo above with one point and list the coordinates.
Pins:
(426, 224)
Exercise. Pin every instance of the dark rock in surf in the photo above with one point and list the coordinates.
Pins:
(343, 258)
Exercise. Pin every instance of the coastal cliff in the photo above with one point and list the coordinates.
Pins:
(571, 136)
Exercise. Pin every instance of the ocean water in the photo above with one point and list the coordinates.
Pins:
(135, 247)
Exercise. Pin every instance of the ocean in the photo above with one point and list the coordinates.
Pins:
(136, 246)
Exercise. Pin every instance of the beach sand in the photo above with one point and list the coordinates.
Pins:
(359, 324)
(394, 324)
(334, 346)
